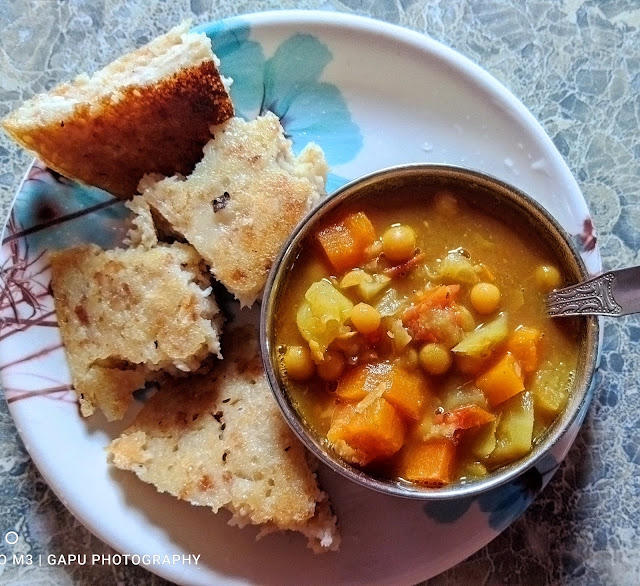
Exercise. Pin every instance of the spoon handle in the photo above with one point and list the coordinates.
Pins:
(613, 293)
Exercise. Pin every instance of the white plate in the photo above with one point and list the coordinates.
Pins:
(372, 95)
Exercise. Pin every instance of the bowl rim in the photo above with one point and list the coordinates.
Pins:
(408, 490)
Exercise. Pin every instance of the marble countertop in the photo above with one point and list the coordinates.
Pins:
(575, 64)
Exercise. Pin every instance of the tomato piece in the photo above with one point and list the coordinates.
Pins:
(433, 318)
(466, 417)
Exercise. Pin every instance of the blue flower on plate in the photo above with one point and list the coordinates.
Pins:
(50, 213)
(288, 84)
(504, 503)
(241, 59)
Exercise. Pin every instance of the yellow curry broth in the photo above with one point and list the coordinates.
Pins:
(504, 252)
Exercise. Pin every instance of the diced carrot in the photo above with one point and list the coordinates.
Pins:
(524, 344)
(407, 392)
(502, 381)
(430, 463)
(340, 247)
(403, 389)
(374, 432)
(466, 417)
(345, 242)
(361, 228)
(352, 386)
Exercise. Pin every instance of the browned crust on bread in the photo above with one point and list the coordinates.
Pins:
(159, 128)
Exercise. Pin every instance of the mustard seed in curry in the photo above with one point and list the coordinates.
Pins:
(416, 341)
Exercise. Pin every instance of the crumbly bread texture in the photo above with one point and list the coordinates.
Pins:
(148, 111)
(127, 316)
(143, 231)
(242, 200)
(219, 440)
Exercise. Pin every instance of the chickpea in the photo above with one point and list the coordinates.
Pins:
(547, 278)
(485, 297)
(332, 367)
(399, 243)
(365, 318)
(298, 363)
(435, 358)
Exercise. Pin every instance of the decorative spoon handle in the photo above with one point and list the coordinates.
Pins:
(612, 293)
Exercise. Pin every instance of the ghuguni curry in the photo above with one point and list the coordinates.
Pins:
(413, 337)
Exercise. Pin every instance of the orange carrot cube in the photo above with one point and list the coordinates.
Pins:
(502, 381)
(524, 344)
(372, 433)
(407, 392)
(345, 242)
(403, 389)
(352, 386)
(361, 227)
(430, 463)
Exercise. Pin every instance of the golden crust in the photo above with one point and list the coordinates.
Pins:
(125, 316)
(156, 128)
(219, 440)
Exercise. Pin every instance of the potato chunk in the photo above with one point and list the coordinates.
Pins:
(515, 430)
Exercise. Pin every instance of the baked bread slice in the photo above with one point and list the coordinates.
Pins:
(148, 111)
(127, 316)
(219, 440)
(242, 200)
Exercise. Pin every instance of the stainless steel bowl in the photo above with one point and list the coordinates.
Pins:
(499, 195)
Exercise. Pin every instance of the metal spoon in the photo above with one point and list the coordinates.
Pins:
(613, 293)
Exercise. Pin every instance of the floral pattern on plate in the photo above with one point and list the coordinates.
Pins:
(288, 84)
